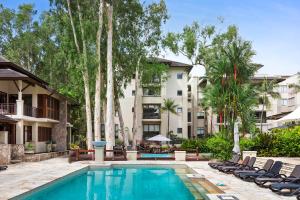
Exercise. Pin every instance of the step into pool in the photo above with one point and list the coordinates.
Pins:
(120, 183)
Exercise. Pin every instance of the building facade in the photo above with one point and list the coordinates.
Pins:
(38, 114)
(150, 99)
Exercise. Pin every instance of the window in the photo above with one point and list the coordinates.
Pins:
(179, 75)
(44, 134)
(179, 109)
(151, 91)
(133, 76)
(189, 117)
(200, 115)
(27, 136)
(133, 93)
(283, 88)
(200, 131)
(179, 130)
(150, 130)
(132, 109)
(151, 111)
(179, 92)
(284, 102)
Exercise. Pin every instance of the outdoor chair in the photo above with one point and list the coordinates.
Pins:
(288, 188)
(3, 167)
(265, 168)
(274, 171)
(235, 159)
(262, 181)
(243, 162)
(298, 197)
(247, 164)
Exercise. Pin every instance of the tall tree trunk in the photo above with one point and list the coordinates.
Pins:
(97, 111)
(110, 126)
(168, 124)
(121, 121)
(85, 74)
(261, 115)
(135, 119)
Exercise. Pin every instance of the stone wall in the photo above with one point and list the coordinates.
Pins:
(59, 131)
(17, 151)
(4, 154)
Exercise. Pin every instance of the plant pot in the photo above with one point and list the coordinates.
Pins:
(53, 147)
(29, 151)
(48, 147)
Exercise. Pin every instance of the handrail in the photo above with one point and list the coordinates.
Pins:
(8, 108)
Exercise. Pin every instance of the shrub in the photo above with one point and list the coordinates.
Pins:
(220, 147)
(192, 144)
(247, 144)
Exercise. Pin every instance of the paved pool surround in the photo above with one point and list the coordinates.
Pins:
(23, 177)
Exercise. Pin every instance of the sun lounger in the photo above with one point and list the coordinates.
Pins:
(3, 167)
(262, 181)
(237, 166)
(235, 159)
(265, 168)
(274, 170)
(289, 188)
(298, 197)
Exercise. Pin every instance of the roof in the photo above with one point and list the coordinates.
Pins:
(5, 119)
(172, 63)
(12, 71)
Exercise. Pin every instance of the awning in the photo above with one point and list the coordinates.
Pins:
(5, 119)
(293, 116)
(159, 138)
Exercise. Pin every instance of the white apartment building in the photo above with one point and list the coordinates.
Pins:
(151, 120)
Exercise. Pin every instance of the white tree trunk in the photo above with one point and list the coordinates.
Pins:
(121, 121)
(110, 126)
(97, 111)
(135, 118)
(236, 148)
(89, 133)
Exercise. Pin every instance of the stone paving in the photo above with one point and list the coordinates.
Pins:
(24, 177)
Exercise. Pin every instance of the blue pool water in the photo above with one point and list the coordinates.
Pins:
(137, 183)
(153, 155)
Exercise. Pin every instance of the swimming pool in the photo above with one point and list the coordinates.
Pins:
(155, 155)
(119, 183)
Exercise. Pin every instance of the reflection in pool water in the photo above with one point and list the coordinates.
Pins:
(128, 183)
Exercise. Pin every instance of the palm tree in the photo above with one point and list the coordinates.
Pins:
(267, 90)
(169, 106)
(296, 86)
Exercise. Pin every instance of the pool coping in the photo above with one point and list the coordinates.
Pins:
(94, 165)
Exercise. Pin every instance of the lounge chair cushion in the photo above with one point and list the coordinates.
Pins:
(280, 186)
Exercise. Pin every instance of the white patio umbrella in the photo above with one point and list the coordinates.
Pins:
(295, 115)
(159, 138)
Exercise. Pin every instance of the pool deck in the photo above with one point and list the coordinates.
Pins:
(24, 177)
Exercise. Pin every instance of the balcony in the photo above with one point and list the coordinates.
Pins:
(151, 116)
(8, 109)
(32, 111)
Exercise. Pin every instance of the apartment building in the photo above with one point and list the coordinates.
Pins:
(288, 102)
(150, 118)
(30, 111)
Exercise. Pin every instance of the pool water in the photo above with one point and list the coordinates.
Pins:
(117, 183)
(153, 155)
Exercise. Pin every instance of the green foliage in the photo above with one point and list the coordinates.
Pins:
(220, 147)
(192, 144)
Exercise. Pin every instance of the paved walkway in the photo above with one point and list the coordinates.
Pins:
(24, 177)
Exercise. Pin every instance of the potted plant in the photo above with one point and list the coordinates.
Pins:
(53, 147)
(29, 148)
(48, 146)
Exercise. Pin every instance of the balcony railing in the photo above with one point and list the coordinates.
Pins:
(32, 111)
(8, 108)
(151, 115)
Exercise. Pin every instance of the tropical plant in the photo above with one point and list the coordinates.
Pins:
(266, 90)
(296, 86)
(169, 106)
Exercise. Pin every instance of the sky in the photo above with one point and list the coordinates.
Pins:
(273, 26)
